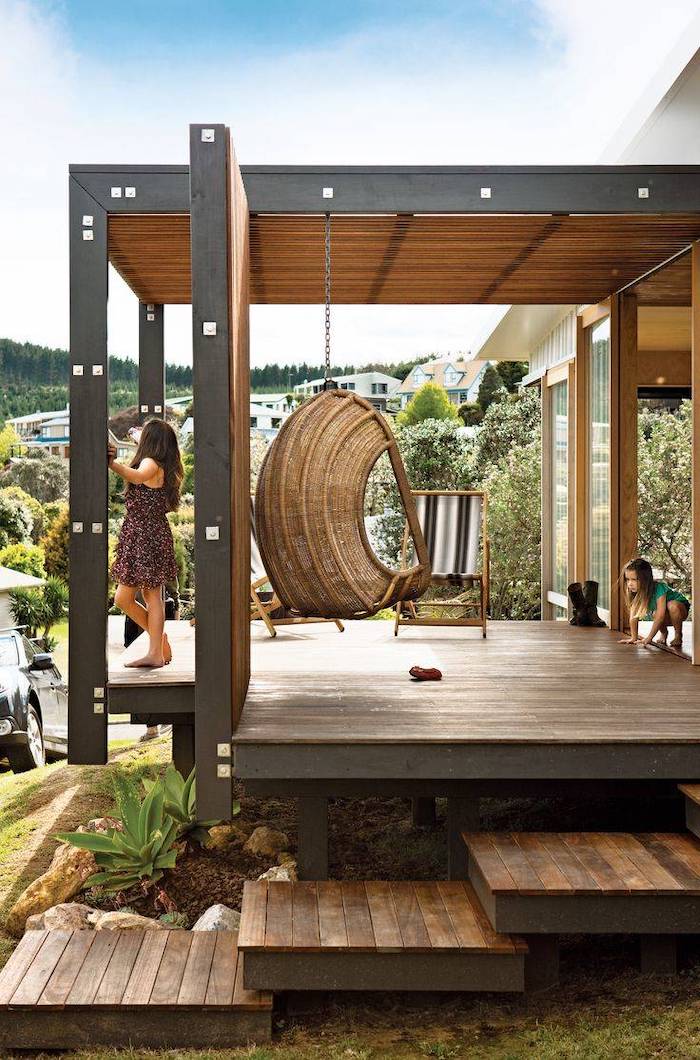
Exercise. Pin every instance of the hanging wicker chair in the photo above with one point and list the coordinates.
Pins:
(309, 512)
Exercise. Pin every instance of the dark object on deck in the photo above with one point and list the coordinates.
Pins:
(584, 599)
(421, 673)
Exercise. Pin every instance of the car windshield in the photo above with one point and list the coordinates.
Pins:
(8, 651)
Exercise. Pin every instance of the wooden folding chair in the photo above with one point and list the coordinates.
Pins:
(454, 525)
(265, 608)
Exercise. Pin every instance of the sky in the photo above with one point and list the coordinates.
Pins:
(511, 81)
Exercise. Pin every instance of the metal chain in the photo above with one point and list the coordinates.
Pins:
(328, 296)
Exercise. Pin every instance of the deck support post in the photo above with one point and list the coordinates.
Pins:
(658, 954)
(151, 361)
(541, 963)
(423, 811)
(88, 518)
(462, 816)
(312, 837)
(695, 458)
(183, 747)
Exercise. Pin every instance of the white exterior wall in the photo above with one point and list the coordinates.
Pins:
(559, 345)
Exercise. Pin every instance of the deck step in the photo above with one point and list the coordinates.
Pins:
(148, 989)
(691, 793)
(588, 882)
(374, 935)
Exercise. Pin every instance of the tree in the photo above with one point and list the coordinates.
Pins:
(54, 604)
(9, 440)
(29, 559)
(665, 497)
(507, 425)
(470, 413)
(55, 543)
(511, 372)
(43, 477)
(430, 402)
(15, 519)
(27, 609)
(491, 387)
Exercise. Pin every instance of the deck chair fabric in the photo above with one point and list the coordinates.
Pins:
(265, 608)
(454, 528)
(451, 525)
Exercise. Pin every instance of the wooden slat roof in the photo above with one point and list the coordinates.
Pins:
(416, 259)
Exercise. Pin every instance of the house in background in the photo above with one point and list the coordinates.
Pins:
(31, 426)
(375, 387)
(461, 379)
(266, 420)
(9, 581)
(276, 402)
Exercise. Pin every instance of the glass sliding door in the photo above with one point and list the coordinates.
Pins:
(599, 459)
(559, 436)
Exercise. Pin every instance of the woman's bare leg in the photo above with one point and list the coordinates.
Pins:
(125, 599)
(677, 614)
(156, 621)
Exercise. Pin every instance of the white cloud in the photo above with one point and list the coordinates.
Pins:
(417, 94)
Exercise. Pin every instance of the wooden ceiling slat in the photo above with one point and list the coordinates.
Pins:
(462, 259)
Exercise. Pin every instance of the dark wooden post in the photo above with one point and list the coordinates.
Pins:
(87, 616)
(462, 816)
(210, 395)
(151, 360)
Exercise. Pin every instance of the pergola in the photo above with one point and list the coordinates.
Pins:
(224, 237)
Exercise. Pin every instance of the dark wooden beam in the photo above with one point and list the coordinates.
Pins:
(151, 360)
(87, 618)
(211, 328)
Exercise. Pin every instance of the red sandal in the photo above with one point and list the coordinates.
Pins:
(421, 673)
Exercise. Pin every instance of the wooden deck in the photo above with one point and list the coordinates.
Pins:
(159, 989)
(579, 703)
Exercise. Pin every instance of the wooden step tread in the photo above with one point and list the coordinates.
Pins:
(691, 791)
(128, 969)
(586, 863)
(369, 917)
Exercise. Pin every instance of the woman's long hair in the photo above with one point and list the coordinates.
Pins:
(159, 442)
(638, 603)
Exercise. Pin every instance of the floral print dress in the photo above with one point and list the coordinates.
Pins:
(145, 554)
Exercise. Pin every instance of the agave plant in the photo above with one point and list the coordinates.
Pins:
(139, 853)
(180, 802)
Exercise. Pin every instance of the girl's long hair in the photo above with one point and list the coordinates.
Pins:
(638, 603)
(159, 442)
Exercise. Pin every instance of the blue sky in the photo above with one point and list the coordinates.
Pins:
(385, 83)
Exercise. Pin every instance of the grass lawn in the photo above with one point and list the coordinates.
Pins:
(60, 652)
(604, 1008)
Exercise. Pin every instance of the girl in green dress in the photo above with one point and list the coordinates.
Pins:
(652, 600)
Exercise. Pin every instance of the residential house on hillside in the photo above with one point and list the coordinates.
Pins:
(376, 387)
(276, 402)
(30, 426)
(461, 379)
(53, 436)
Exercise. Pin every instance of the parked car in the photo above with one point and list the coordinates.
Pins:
(33, 703)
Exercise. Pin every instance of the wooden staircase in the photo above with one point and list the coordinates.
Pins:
(374, 936)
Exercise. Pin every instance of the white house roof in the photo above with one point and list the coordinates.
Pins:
(14, 579)
(520, 331)
(369, 377)
(58, 421)
(42, 416)
(263, 410)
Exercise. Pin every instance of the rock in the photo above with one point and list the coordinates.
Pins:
(68, 916)
(102, 824)
(267, 842)
(223, 835)
(284, 857)
(218, 918)
(120, 920)
(286, 872)
(64, 878)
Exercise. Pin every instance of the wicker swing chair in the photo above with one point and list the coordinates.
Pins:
(309, 512)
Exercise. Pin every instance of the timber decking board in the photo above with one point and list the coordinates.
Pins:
(123, 970)
(368, 917)
(591, 863)
(529, 682)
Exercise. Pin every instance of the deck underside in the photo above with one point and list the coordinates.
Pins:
(534, 700)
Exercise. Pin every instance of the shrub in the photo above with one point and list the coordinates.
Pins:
(15, 519)
(27, 607)
(43, 477)
(181, 803)
(29, 559)
(470, 413)
(56, 543)
(430, 402)
(35, 508)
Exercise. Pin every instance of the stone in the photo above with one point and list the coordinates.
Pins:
(286, 872)
(67, 916)
(102, 824)
(64, 878)
(223, 835)
(121, 920)
(284, 857)
(267, 842)
(218, 918)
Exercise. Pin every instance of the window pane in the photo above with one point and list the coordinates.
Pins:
(560, 486)
(599, 459)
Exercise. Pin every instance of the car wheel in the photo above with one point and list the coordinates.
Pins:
(32, 754)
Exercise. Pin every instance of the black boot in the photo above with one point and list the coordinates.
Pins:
(590, 596)
(578, 602)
